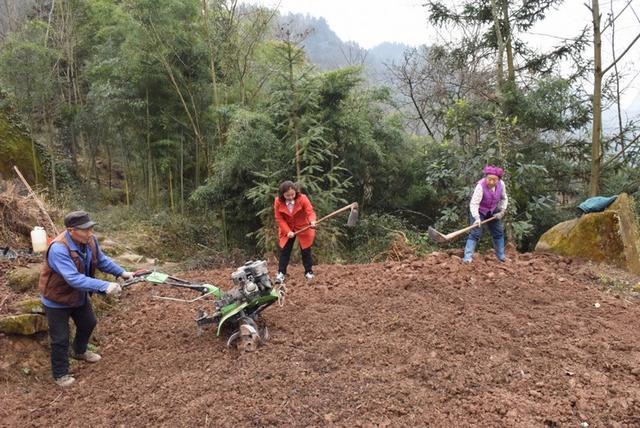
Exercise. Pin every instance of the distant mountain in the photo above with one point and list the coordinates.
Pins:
(322, 46)
(382, 55)
(327, 51)
(389, 51)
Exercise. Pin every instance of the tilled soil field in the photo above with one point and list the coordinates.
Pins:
(537, 341)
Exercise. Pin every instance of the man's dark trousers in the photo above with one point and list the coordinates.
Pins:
(58, 319)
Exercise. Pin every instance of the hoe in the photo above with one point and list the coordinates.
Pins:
(444, 239)
(351, 220)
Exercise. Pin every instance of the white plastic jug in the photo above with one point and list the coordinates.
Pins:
(38, 239)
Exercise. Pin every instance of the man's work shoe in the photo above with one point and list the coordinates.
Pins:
(88, 356)
(280, 278)
(65, 381)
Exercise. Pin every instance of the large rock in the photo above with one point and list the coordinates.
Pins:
(129, 258)
(23, 279)
(17, 148)
(610, 236)
(28, 306)
(25, 324)
(109, 247)
(134, 261)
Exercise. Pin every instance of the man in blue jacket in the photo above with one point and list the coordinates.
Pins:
(66, 279)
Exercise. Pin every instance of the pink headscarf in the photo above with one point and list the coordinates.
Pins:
(493, 170)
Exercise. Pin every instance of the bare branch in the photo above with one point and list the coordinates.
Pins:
(588, 7)
(612, 20)
(46, 36)
(631, 143)
(634, 12)
(622, 54)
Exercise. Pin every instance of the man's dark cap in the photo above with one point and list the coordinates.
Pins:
(78, 220)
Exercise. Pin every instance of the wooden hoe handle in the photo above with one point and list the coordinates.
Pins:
(328, 216)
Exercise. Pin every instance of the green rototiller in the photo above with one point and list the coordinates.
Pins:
(236, 311)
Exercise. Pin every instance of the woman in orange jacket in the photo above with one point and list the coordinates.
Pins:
(293, 211)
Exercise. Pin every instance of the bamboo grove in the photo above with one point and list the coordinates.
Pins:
(202, 107)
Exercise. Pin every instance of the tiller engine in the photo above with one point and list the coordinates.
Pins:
(236, 311)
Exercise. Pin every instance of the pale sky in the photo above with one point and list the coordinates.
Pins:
(371, 22)
(367, 22)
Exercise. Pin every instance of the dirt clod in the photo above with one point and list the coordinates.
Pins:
(426, 341)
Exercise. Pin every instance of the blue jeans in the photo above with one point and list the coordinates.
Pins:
(497, 233)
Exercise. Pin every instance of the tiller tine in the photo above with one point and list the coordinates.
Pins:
(233, 338)
(248, 337)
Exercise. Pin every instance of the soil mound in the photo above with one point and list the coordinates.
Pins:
(537, 341)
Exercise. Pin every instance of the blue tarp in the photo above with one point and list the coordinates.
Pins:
(596, 204)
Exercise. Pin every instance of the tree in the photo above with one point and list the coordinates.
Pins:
(598, 75)
(432, 79)
(493, 27)
(291, 78)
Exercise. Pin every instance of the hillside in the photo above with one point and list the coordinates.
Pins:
(17, 147)
(327, 51)
(538, 341)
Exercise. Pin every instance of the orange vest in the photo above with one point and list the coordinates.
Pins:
(53, 286)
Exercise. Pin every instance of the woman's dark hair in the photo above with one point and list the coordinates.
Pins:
(284, 187)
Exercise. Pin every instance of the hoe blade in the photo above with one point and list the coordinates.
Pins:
(353, 215)
(437, 236)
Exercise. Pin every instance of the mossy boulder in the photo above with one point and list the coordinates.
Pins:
(28, 306)
(610, 236)
(109, 247)
(25, 324)
(129, 259)
(17, 148)
(134, 261)
(23, 279)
